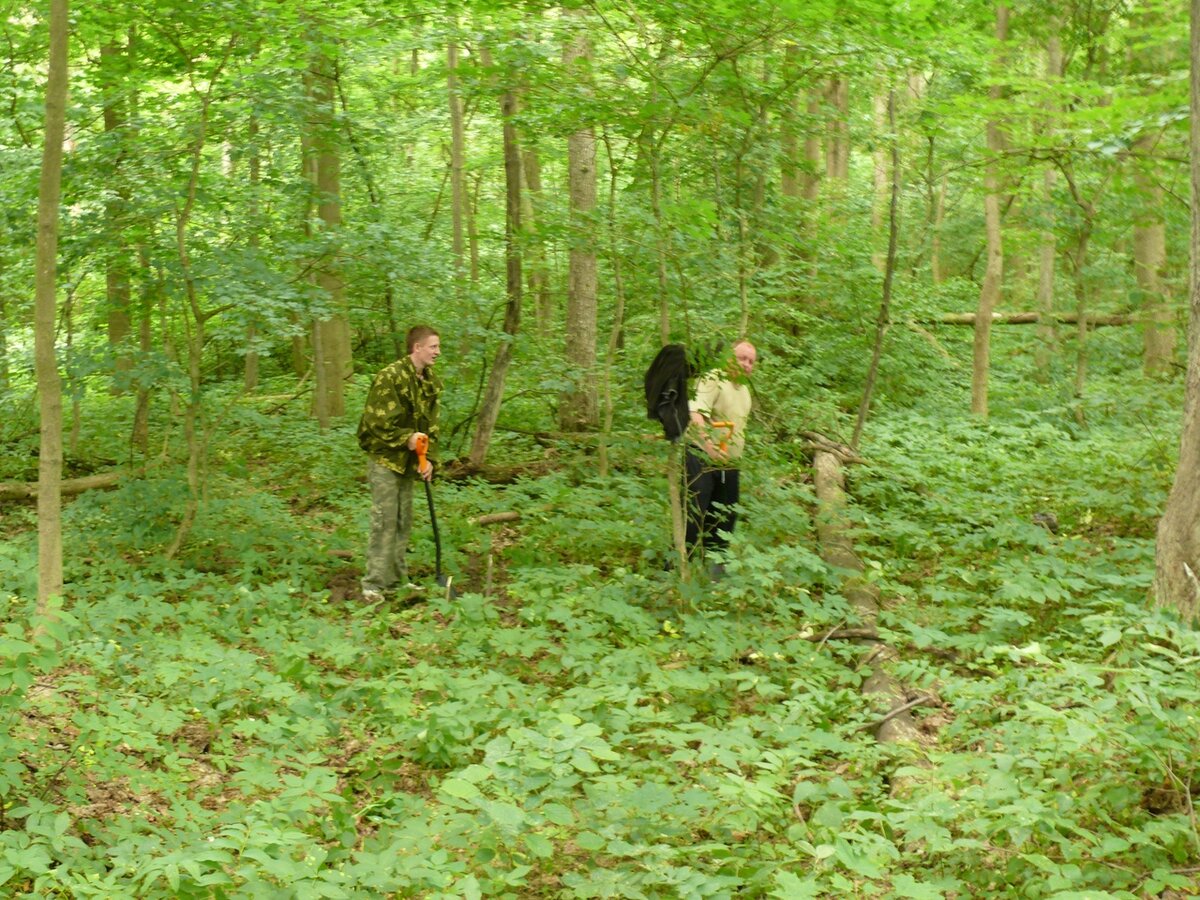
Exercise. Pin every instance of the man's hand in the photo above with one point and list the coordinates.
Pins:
(427, 474)
(414, 438)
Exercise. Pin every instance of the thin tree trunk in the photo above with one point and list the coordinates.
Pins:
(879, 198)
(1177, 556)
(490, 410)
(539, 275)
(1081, 320)
(115, 209)
(331, 336)
(989, 292)
(472, 233)
(4, 383)
(937, 213)
(458, 144)
(1149, 263)
(614, 334)
(50, 576)
(1047, 333)
(195, 333)
(812, 151)
(577, 407)
(789, 139)
(889, 269)
(660, 242)
(837, 148)
(250, 373)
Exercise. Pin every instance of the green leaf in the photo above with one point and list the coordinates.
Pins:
(456, 787)
(590, 841)
(539, 845)
(557, 813)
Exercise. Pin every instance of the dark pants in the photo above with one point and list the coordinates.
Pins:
(712, 493)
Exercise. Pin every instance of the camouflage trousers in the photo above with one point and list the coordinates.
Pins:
(391, 525)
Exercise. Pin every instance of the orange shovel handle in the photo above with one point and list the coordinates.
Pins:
(728, 426)
(422, 449)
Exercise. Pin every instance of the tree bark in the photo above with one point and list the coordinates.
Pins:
(837, 146)
(250, 371)
(490, 410)
(1030, 318)
(458, 153)
(50, 577)
(889, 269)
(539, 276)
(116, 206)
(1149, 264)
(989, 293)
(1177, 554)
(614, 334)
(879, 197)
(1047, 334)
(578, 406)
(332, 362)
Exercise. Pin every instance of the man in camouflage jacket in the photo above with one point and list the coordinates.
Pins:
(401, 406)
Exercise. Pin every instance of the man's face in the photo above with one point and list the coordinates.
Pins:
(746, 356)
(426, 352)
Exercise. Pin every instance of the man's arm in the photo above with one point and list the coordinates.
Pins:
(707, 390)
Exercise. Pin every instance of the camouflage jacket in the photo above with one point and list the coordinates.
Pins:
(399, 403)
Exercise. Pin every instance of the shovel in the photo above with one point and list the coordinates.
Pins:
(443, 581)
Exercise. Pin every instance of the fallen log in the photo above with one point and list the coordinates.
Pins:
(496, 518)
(837, 549)
(1030, 318)
(13, 490)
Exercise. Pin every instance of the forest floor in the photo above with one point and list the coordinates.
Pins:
(577, 722)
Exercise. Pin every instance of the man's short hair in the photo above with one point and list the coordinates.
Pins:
(418, 333)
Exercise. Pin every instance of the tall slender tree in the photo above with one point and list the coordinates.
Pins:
(578, 406)
(989, 292)
(50, 457)
(1177, 556)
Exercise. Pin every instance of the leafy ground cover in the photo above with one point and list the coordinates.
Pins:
(239, 723)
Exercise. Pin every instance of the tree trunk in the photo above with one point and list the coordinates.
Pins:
(332, 362)
(3, 344)
(936, 188)
(50, 577)
(837, 147)
(989, 292)
(116, 207)
(1047, 336)
(614, 333)
(578, 406)
(250, 373)
(889, 269)
(879, 199)
(1149, 263)
(812, 151)
(789, 139)
(1177, 557)
(539, 277)
(490, 410)
(660, 244)
(458, 152)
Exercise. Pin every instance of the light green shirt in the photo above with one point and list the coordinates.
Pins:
(720, 400)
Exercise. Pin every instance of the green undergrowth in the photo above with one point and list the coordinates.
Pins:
(237, 723)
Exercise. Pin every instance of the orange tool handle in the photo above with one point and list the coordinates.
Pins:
(422, 449)
(728, 436)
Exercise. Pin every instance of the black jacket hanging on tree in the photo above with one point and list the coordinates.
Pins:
(666, 390)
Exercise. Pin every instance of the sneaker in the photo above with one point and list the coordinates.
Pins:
(372, 596)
